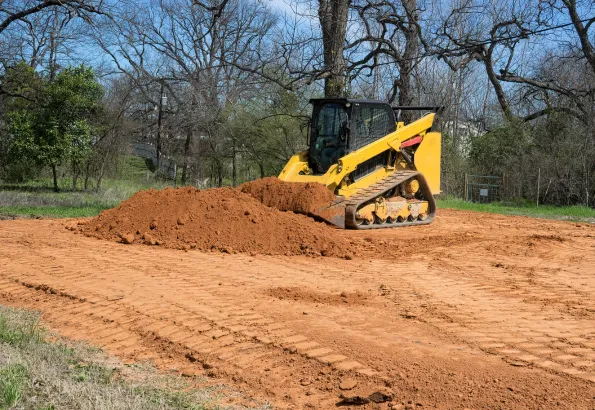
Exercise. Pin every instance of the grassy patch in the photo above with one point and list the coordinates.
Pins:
(26, 331)
(523, 208)
(50, 211)
(36, 373)
(37, 199)
(12, 384)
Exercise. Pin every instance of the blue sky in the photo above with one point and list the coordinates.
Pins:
(287, 6)
(281, 4)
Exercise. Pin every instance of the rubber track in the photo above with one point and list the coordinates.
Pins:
(381, 187)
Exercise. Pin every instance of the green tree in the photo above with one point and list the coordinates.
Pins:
(22, 93)
(60, 123)
(493, 152)
(69, 120)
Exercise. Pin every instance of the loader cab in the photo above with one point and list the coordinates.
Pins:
(340, 126)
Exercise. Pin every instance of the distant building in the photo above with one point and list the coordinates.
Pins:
(462, 132)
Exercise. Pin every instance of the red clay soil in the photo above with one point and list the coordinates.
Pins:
(476, 311)
(304, 198)
(223, 219)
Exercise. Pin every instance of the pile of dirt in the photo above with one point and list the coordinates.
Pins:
(304, 198)
(222, 219)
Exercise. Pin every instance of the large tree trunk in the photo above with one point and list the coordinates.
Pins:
(219, 174)
(87, 174)
(333, 22)
(411, 33)
(500, 94)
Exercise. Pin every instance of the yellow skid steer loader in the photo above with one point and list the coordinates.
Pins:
(384, 172)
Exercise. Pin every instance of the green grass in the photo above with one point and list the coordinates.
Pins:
(50, 211)
(523, 208)
(36, 373)
(135, 169)
(12, 384)
(27, 331)
(37, 199)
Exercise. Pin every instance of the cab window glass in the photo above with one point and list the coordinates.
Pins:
(330, 132)
(330, 119)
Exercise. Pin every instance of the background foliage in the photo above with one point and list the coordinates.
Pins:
(220, 88)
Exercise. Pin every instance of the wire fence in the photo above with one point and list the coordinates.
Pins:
(483, 188)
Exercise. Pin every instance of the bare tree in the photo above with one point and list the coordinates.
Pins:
(388, 46)
(12, 11)
(195, 52)
(500, 42)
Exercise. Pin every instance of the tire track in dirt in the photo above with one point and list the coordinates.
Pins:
(549, 295)
(544, 320)
(511, 329)
(532, 277)
(199, 320)
(291, 329)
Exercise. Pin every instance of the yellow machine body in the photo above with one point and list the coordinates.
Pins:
(414, 152)
(427, 160)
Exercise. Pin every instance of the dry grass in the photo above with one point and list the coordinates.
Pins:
(36, 373)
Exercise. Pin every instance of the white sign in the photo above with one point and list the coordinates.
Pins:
(483, 192)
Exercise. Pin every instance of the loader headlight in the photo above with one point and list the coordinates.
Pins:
(340, 166)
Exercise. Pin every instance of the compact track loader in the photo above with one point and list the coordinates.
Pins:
(384, 172)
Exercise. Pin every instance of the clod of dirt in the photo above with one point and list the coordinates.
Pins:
(347, 384)
(127, 238)
(353, 400)
(149, 240)
(304, 198)
(375, 397)
(217, 219)
(381, 397)
(517, 363)
(312, 296)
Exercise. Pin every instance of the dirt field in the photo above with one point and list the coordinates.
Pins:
(473, 311)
